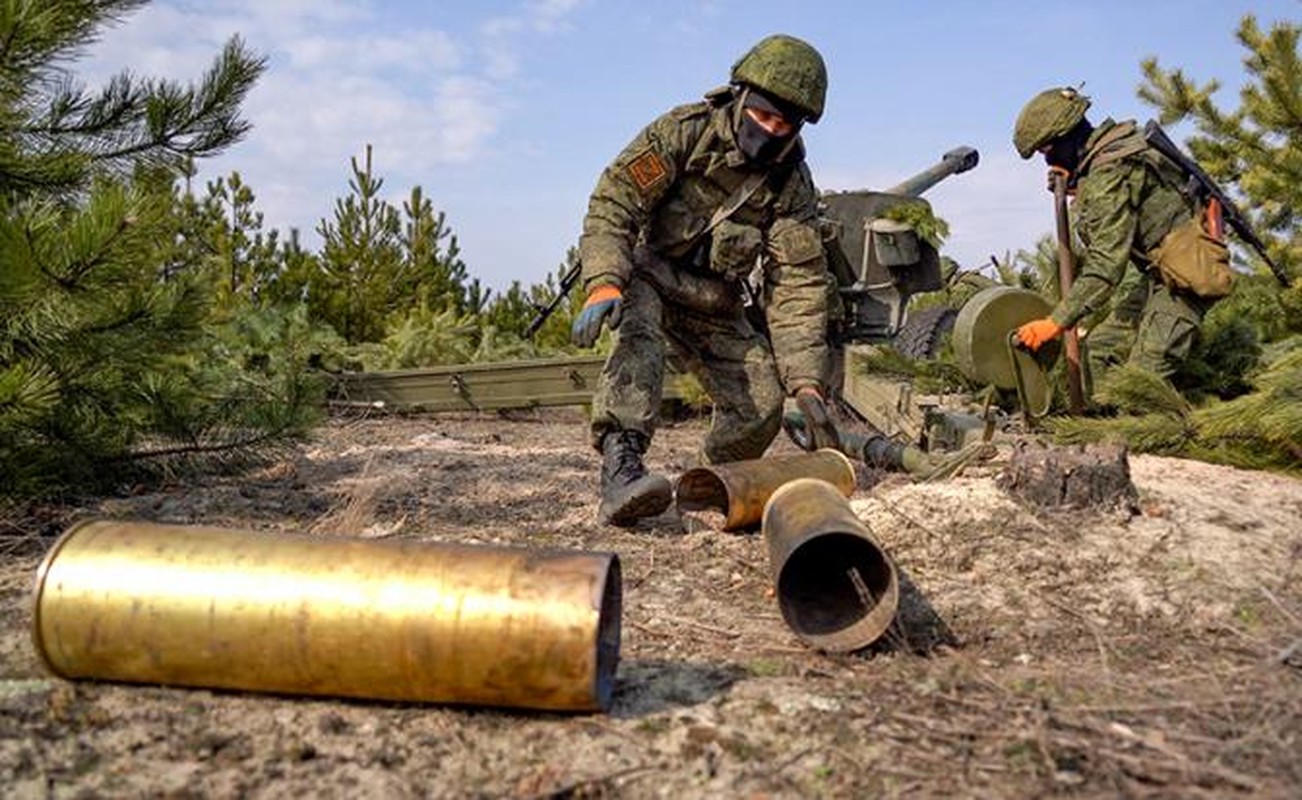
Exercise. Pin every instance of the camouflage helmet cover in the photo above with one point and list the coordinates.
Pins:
(1047, 116)
(787, 68)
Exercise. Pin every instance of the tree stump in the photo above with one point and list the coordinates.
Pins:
(1095, 477)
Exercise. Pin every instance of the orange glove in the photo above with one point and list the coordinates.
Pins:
(1038, 331)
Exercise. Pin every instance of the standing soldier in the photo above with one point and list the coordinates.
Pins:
(1129, 205)
(674, 227)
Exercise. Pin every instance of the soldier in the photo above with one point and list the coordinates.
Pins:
(1128, 206)
(674, 226)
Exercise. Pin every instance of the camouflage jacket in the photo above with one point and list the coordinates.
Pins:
(664, 189)
(1127, 199)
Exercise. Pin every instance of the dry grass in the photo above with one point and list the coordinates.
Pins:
(1079, 655)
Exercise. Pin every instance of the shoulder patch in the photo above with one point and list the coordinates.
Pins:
(647, 169)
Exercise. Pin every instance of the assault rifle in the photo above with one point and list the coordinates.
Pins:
(543, 312)
(1204, 188)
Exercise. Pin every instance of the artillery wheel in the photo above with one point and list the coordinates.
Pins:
(920, 337)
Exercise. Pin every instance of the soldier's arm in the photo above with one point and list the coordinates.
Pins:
(626, 193)
(1107, 222)
(797, 287)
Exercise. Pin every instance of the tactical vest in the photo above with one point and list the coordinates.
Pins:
(1118, 142)
(1162, 208)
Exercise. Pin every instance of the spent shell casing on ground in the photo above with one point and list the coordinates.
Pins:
(836, 587)
(329, 615)
(740, 489)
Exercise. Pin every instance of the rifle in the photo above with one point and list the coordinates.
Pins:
(543, 312)
(1203, 187)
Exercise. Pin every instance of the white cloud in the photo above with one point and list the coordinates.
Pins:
(999, 207)
(340, 75)
(418, 52)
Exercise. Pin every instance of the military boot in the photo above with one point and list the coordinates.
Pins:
(628, 491)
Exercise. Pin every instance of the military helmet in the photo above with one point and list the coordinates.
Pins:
(1047, 116)
(787, 68)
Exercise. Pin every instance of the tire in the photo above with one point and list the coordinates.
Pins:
(923, 334)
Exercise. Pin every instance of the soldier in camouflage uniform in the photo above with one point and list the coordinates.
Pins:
(1127, 201)
(675, 224)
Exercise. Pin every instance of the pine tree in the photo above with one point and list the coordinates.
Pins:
(435, 274)
(56, 136)
(245, 258)
(1255, 148)
(107, 351)
(362, 261)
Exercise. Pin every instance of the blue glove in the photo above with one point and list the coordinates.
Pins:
(603, 305)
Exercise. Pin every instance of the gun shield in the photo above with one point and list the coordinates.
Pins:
(981, 336)
(740, 489)
(836, 587)
(391, 620)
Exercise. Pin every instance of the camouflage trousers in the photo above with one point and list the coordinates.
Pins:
(1149, 327)
(731, 359)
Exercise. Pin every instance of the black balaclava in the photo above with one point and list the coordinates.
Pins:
(757, 144)
(1067, 150)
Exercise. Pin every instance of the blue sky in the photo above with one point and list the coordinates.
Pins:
(506, 111)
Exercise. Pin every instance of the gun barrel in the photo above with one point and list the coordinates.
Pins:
(960, 159)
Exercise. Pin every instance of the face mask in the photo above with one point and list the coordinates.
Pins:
(1063, 155)
(756, 143)
(1066, 151)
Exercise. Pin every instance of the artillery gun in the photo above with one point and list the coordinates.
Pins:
(881, 260)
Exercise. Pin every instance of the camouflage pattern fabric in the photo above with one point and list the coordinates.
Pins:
(1123, 209)
(1149, 327)
(1047, 116)
(661, 193)
(731, 359)
(786, 68)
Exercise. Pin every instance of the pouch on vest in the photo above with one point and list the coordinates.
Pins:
(1189, 259)
(735, 249)
(705, 294)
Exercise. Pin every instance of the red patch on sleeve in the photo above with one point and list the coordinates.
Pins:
(647, 170)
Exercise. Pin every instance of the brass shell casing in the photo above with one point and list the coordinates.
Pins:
(274, 612)
(836, 587)
(740, 489)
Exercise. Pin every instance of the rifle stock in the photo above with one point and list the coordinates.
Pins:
(1157, 138)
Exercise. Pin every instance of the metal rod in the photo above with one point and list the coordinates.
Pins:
(1066, 274)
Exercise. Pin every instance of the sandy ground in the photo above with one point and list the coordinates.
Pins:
(1082, 654)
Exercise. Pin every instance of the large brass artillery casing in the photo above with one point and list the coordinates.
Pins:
(739, 490)
(836, 587)
(274, 612)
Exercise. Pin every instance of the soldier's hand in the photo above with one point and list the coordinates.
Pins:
(1035, 333)
(819, 426)
(602, 306)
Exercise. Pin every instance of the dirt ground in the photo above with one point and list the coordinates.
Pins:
(1082, 654)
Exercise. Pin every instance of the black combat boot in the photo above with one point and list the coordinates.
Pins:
(628, 491)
